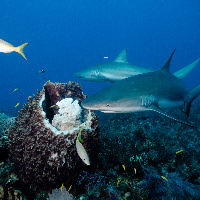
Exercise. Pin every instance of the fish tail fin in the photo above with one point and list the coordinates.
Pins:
(20, 48)
(193, 94)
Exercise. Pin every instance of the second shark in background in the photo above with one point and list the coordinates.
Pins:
(120, 69)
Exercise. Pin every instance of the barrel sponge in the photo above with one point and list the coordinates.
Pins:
(42, 141)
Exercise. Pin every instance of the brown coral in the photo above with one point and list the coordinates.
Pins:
(44, 156)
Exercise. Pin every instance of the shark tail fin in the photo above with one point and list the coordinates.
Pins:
(158, 110)
(166, 66)
(121, 57)
(20, 48)
(183, 72)
(193, 94)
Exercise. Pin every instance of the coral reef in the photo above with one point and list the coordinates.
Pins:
(6, 168)
(161, 157)
(60, 194)
(141, 156)
(42, 142)
(5, 123)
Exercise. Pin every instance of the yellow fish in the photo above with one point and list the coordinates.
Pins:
(17, 104)
(118, 182)
(164, 178)
(61, 187)
(135, 170)
(123, 167)
(179, 151)
(52, 106)
(69, 188)
(81, 150)
(6, 47)
(57, 94)
(15, 89)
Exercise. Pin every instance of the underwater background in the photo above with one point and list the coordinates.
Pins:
(66, 36)
(141, 156)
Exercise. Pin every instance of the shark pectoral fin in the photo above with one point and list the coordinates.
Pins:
(193, 94)
(158, 110)
(103, 78)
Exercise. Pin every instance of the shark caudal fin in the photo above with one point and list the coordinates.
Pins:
(121, 57)
(183, 72)
(20, 48)
(193, 94)
(158, 110)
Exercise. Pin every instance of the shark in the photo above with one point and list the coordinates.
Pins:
(152, 91)
(120, 69)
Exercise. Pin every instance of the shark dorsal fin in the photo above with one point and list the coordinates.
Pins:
(121, 57)
(158, 110)
(166, 66)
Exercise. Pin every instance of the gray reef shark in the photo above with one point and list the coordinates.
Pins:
(153, 91)
(120, 69)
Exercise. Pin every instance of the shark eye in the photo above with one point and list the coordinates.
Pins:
(107, 105)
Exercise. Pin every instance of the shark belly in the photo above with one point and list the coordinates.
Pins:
(126, 110)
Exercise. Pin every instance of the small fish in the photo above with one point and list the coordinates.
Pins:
(61, 187)
(57, 93)
(33, 102)
(135, 170)
(164, 178)
(15, 89)
(118, 182)
(17, 104)
(52, 106)
(179, 151)
(106, 57)
(79, 135)
(40, 71)
(81, 150)
(6, 47)
(69, 188)
(123, 167)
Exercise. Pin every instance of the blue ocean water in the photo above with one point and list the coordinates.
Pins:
(68, 35)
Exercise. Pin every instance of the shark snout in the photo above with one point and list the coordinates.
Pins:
(90, 105)
(79, 75)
